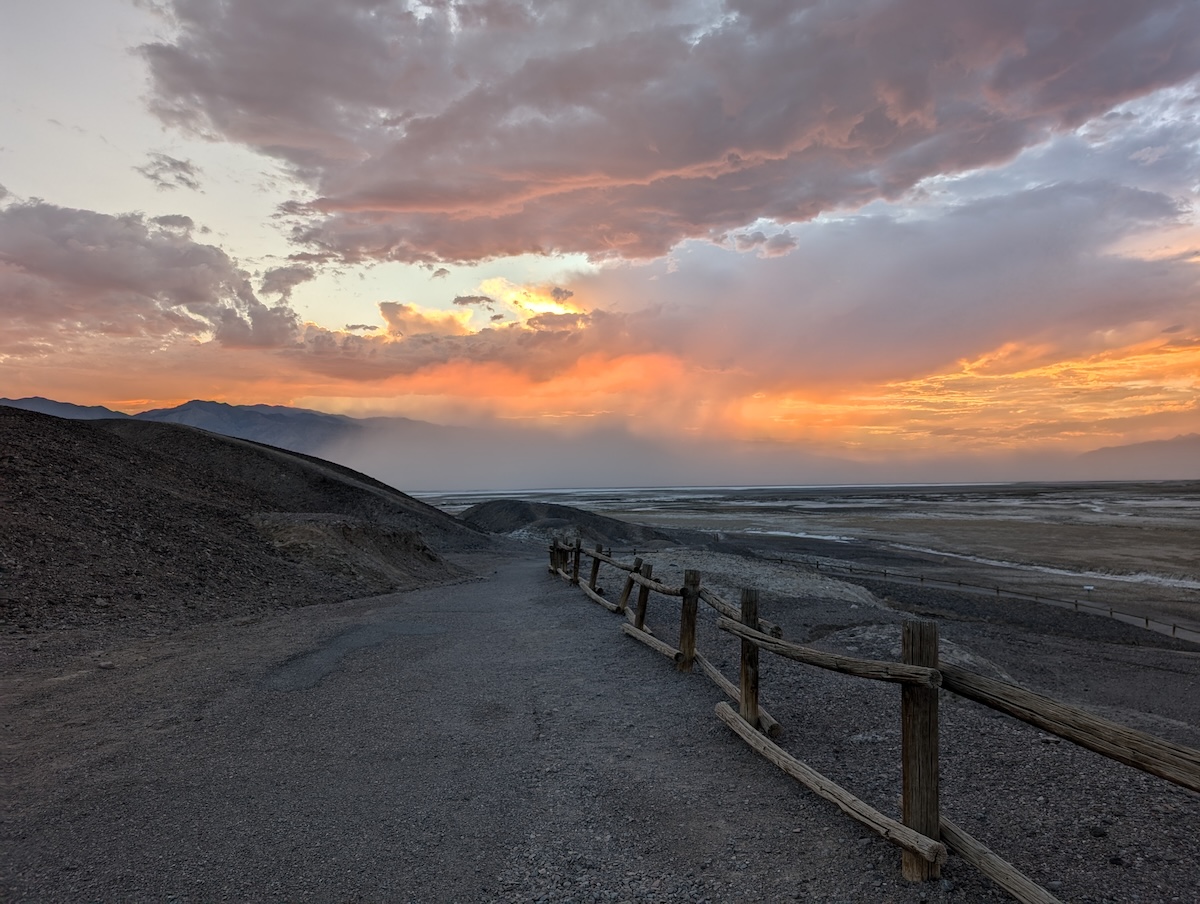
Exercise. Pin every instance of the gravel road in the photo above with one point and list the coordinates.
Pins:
(495, 740)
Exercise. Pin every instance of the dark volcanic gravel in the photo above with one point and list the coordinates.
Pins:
(503, 516)
(498, 739)
(148, 527)
(502, 741)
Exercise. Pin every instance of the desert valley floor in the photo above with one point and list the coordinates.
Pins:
(296, 729)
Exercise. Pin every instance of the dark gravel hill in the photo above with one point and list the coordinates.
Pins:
(118, 522)
(545, 519)
(284, 481)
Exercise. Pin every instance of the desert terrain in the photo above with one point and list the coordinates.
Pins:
(237, 673)
(1132, 546)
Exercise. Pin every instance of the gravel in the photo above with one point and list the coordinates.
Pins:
(501, 741)
(113, 527)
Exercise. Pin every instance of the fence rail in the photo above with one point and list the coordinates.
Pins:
(922, 833)
(879, 670)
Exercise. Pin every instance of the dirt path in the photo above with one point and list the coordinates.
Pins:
(491, 741)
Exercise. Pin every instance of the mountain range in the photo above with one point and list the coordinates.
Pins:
(296, 429)
(420, 456)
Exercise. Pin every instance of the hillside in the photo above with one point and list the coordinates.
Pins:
(545, 520)
(122, 521)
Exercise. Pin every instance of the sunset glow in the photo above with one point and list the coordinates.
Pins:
(981, 407)
(783, 229)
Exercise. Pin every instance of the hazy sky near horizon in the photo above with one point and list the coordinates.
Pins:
(879, 229)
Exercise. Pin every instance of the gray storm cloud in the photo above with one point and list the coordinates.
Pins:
(281, 280)
(892, 296)
(469, 131)
(541, 349)
(67, 272)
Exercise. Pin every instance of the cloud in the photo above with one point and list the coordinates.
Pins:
(409, 320)
(418, 341)
(893, 296)
(174, 221)
(67, 274)
(942, 317)
(168, 173)
(469, 131)
(353, 327)
(468, 300)
(440, 273)
(774, 246)
(281, 280)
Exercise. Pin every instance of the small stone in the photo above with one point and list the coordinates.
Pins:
(106, 664)
(1098, 832)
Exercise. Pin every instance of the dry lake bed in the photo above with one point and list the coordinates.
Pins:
(1134, 547)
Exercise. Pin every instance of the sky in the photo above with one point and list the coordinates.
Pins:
(870, 230)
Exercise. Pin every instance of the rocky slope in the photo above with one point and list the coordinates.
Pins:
(544, 520)
(118, 522)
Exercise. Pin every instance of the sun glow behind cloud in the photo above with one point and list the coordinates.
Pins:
(526, 301)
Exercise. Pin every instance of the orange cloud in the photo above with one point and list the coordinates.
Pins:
(998, 402)
(1004, 400)
(410, 320)
(637, 387)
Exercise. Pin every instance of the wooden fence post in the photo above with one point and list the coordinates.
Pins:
(575, 562)
(919, 747)
(553, 553)
(595, 568)
(749, 670)
(623, 602)
(639, 619)
(687, 619)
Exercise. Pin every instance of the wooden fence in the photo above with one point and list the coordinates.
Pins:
(923, 834)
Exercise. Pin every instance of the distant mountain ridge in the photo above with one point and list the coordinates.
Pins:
(67, 410)
(420, 454)
(1179, 456)
(295, 429)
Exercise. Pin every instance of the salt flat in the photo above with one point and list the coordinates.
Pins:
(1136, 545)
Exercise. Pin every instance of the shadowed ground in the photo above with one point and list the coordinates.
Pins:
(500, 740)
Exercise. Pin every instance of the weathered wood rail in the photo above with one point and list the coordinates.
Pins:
(922, 833)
